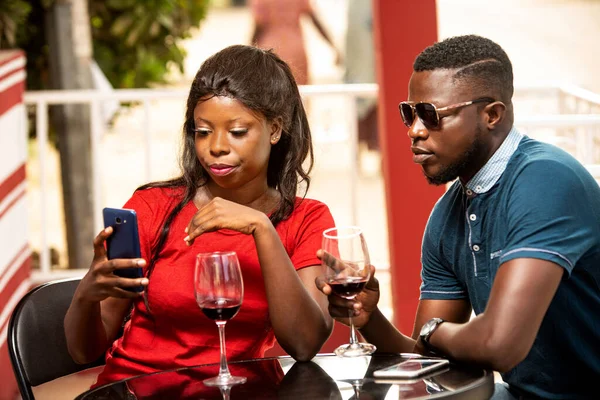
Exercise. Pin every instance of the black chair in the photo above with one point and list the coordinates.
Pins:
(36, 336)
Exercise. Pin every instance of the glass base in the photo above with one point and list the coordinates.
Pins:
(224, 380)
(355, 350)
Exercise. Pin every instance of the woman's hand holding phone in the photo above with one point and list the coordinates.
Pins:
(101, 282)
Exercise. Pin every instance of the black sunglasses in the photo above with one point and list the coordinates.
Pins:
(429, 113)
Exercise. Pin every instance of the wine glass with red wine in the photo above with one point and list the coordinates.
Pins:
(219, 292)
(347, 270)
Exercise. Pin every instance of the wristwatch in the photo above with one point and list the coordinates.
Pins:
(428, 328)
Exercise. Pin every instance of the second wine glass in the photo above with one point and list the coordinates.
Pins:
(347, 270)
(219, 290)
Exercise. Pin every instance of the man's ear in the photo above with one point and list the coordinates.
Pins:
(276, 130)
(495, 113)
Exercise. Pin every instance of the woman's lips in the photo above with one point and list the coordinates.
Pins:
(221, 170)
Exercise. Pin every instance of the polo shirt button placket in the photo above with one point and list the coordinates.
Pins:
(474, 222)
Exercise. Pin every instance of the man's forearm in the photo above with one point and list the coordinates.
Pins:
(503, 335)
(473, 342)
(380, 332)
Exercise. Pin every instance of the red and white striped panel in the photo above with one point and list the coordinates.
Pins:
(15, 252)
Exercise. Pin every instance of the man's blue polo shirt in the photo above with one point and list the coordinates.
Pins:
(530, 200)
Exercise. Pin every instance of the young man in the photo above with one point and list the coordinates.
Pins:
(516, 238)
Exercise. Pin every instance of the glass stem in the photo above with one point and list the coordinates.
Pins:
(223, 369)
(225, 391)
(356, 388)
(353, 340)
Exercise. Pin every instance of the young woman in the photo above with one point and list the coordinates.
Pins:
(246, 137)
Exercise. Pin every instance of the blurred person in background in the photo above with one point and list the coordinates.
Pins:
(277, 26)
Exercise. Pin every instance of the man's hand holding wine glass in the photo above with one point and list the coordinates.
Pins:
(363, 304)
(347, 269)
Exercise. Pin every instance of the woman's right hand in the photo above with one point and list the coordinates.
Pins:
(100, 282)
(363, 304)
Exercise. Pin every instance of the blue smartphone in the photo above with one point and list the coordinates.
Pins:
(124, 241)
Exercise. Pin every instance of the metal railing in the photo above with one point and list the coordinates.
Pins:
(572, 122)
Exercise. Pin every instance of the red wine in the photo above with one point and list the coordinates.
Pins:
(347, 287)
(220, 310)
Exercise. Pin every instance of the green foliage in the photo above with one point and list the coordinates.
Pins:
(135, 42)
(12, 14)
(30, 37)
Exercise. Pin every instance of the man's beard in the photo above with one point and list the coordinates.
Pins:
(453, 171)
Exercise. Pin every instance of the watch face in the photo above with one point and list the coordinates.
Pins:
(427, 327)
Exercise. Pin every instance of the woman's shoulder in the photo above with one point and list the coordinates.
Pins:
(309, 212)
(302, 232)
(305, 205)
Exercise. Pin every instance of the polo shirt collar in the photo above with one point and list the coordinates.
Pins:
(487, 176)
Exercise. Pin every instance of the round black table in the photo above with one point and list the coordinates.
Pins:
(325, 377)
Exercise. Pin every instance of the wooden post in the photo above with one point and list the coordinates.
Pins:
(70, 57)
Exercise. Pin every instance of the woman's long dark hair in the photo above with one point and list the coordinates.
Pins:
(264, 83)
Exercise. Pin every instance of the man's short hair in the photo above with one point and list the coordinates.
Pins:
(479, 60)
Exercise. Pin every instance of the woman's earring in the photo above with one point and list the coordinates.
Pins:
(275, 140)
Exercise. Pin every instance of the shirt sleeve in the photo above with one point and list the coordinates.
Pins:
(549, 215)
(309, 235)
(439, 282)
